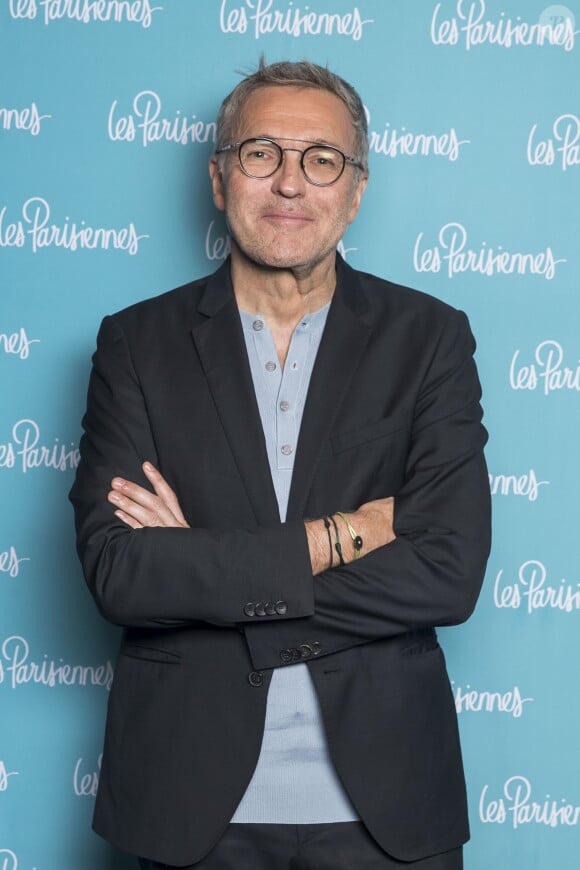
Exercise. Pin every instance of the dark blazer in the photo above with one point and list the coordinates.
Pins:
(392, 409)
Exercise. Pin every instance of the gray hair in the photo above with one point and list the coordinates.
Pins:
(302, 74)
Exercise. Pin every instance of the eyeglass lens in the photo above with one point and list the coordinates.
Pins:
(261, 158)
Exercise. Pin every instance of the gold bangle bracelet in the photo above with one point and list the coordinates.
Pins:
(357, 541)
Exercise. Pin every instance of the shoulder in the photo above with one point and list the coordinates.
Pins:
(173, 305)
(172, 313)
(381, 292)
(404, 309)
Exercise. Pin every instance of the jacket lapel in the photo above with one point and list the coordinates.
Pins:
(220, 344)
(345, 337)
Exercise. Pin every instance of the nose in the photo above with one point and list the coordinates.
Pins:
(289, 180)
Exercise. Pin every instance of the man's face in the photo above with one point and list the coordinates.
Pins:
(284, 221)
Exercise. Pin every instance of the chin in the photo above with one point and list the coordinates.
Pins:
(292, 259)
(275, 259)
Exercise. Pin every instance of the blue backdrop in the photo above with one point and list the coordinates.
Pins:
(106, 124)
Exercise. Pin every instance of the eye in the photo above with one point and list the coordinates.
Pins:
(255, 154)
(260, 152)
(322, 157)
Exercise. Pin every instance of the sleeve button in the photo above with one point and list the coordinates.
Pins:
(249, 609)
(281, 608)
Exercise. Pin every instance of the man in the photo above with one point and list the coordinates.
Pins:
(282, 490)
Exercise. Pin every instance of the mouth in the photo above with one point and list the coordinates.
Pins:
(287, 217)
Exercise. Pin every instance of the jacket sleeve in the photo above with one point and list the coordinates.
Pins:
(169, 577)
(432, 573)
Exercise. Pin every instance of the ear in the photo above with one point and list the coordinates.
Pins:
(217, 183)
(357, 197)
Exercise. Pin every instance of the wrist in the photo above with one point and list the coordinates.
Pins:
(317, 538)
(356, 539)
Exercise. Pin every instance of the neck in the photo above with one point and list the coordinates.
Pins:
(283, 296)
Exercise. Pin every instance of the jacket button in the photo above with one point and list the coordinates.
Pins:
(256, 679)
(281, 608)
(286, 655)
(249, 609)
(260, 609)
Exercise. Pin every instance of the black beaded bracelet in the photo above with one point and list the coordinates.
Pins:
(337, 545)
(326, 522)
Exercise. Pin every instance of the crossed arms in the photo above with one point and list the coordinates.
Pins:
(171, 575)
(140, 508)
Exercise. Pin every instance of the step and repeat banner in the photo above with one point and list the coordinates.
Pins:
(107, 112)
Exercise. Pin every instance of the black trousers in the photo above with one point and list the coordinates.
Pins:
(339, 846)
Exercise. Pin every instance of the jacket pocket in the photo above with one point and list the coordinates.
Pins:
(380, 429)
(420, 643)
(150, 654)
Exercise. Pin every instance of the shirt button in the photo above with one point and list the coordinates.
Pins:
(270, 366)
(284, 405)
(258, 325)
(256, 679)
(286, 449)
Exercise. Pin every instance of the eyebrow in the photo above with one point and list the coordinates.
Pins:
(292, 139)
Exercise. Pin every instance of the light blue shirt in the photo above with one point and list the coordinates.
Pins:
(295, 781)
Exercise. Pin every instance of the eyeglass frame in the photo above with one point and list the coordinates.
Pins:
(352, 161)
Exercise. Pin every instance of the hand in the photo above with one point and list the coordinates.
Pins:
(140, 508)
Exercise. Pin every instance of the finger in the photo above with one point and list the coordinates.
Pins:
(163, 490)
(143, 506)
(128, 520)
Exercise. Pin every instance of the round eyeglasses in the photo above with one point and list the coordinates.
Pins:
(321, 164)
